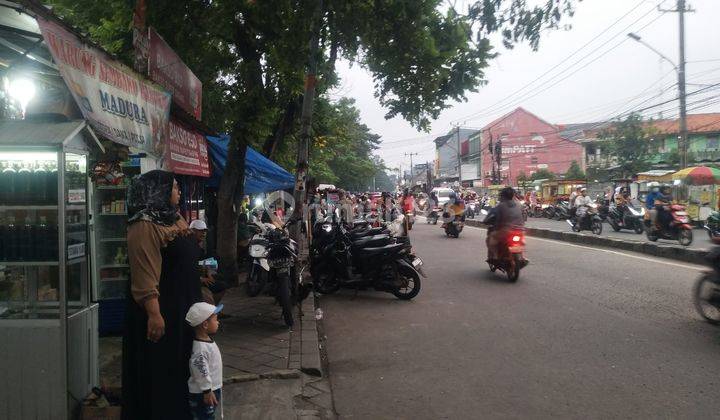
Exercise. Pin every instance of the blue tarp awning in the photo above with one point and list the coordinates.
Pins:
(261, 174)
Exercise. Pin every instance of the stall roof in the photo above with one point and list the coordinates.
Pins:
(261, 174)
(35, 133)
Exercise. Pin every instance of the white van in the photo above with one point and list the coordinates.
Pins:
(443, 195)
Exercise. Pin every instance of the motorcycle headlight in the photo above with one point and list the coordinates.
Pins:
(258, 251)
(327, 227)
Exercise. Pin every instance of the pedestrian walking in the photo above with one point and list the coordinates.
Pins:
(205, 383)
(157, 343)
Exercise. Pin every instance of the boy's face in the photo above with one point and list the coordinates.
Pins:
(212, 324)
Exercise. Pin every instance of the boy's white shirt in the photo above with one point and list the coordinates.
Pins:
(205, 367)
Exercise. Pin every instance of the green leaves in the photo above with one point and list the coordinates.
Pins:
(630, 143)
(574, 171)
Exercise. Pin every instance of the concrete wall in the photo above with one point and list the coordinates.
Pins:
(529, 144)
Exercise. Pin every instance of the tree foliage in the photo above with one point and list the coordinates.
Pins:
(574, 171)
(542, 174)
(251, 56)
(630, 145)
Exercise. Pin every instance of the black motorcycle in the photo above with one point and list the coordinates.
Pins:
(453, 227)
(562, 211)
(586, 218)
(273, 269)
(434, 215)
(626, 217)
(381, 261)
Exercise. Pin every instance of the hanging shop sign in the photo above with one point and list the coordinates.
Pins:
(115, 100)
(167, 69)
(186, 151)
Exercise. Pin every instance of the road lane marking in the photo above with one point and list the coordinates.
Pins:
(609, 251)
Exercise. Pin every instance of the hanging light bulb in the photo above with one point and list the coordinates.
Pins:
(22, 90)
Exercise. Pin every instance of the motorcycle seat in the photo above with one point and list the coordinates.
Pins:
(368, 232)
(387, 249)
(371, 241)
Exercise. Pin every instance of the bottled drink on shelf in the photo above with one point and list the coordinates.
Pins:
(24, 185)
(42, 246)
(7, 185)
(51, 183)
(10, 240)
(39, 179)
(26, 240)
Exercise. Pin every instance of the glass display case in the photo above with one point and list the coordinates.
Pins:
(47, 321)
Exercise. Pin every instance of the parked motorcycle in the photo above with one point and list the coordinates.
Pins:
(679, 229)
(586, 218)
(510, 252)
(548, 211)
(562, 210)
(712, 225)
(273, 268)
(630, 218)
(384, 261)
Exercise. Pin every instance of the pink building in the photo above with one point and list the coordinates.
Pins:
(528, 144)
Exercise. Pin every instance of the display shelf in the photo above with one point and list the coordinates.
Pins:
(112, 187)
(39, 207)
(28, 263)
(74, 207)
(113, 214)
(114, 266)
(104, 240)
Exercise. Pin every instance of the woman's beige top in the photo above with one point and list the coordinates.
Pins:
(145, 241)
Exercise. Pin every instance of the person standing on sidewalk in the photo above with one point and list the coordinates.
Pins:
(205, 383)
(164, 283)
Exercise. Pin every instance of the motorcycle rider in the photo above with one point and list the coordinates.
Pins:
(455, 207)
(507, 215)
(654, 203)
(664, 217)
(582, 200)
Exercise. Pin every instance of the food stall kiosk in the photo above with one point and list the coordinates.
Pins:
(47, 321)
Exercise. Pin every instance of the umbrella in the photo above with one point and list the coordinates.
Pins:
(698, 175)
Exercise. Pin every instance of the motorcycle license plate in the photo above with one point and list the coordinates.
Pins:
(516, 249)
(681, 213)
(417, 262)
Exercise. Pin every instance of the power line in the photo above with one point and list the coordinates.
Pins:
(562, 62)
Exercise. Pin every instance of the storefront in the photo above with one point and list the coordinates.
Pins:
(47, 318)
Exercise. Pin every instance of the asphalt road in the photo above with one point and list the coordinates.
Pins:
(701, 240)
(585, 333)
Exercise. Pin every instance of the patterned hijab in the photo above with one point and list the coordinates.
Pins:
(149, 198)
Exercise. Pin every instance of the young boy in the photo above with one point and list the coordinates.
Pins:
(205, 383)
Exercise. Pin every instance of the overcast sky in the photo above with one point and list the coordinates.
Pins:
(624, 74)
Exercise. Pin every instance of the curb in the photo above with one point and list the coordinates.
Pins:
(310, 344)
(674, 252)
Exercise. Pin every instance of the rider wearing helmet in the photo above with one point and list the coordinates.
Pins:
(454, 207)
(507, 215)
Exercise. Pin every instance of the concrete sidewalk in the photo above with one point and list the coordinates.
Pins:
(270, 372)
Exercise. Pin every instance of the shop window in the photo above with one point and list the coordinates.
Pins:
(712, 143)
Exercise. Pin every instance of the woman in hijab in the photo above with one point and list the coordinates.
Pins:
(164, 283)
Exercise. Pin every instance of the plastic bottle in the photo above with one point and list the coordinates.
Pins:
(10, 240)
(51, 183)
(23, 184)
(26, 240)
(8, 185)
(39, 179)
(3, 233)
(42, 246)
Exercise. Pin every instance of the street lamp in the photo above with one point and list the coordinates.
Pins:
(22, 90)
(680, 70)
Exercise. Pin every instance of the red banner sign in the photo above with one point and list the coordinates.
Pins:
(167, 69)
(186, 151)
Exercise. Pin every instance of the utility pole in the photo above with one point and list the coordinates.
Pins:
(682, 137)
(681, 86)
(412, 177)
(306, 120)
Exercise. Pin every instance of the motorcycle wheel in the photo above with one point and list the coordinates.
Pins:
(706, 298)
(685, 237)
(410, 283)
(513, 272)
(325, 282)
(255, 283)
(639, 228)
(597, 227)
(614, 225)
(283, 297)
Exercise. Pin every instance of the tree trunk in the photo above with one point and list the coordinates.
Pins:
(282, 127)
(230, 195)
